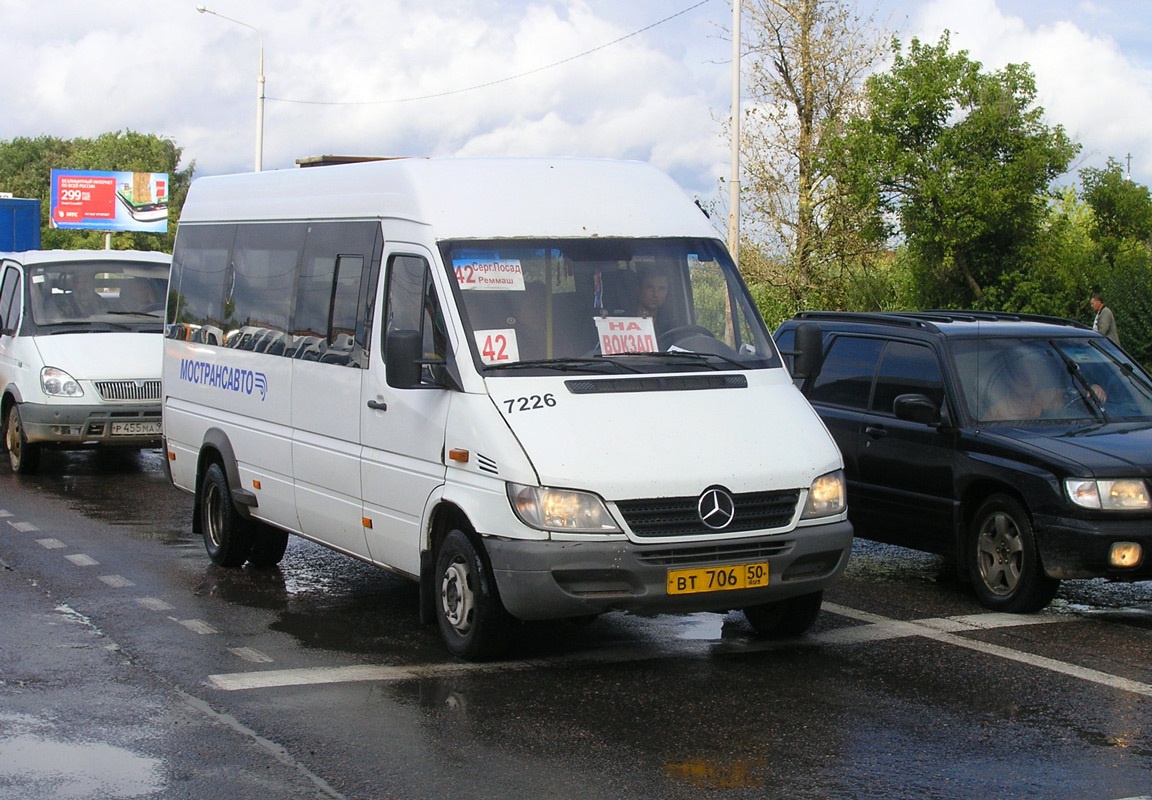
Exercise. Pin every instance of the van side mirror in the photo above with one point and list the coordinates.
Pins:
(916, 408)
(808, 357)
(402, 353)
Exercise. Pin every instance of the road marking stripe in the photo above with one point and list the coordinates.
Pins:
(116, 581)
(249, 654)
(197, 626)
(51, 544)
(23, 527)
(877, 628)
(154, 604)
(927, 628)
(4, 513)
(82, 560)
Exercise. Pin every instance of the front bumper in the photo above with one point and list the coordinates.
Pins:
(128, 425)
(551, 580)
(1079, 548)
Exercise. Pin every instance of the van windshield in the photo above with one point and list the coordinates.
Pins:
(85, 295)
(605, 305)
(1065, 380)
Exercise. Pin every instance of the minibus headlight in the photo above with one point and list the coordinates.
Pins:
(561, 510)
(58, 383)
(826, 497)
(1115, 495)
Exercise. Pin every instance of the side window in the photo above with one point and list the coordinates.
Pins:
(846, 377)
(10, 299)
(264, 261)
(197, 294)
(907, 368)
(412, 305)
(336, 292)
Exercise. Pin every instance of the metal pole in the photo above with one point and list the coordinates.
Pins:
(734, 181)
(259, 85)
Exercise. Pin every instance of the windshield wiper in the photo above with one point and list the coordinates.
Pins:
(564, 364)
(134, 313)
(695, 356)
(1084, 389)
(83, 323)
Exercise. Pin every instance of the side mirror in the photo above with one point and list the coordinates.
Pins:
(916, 408)
(402, 359)
(809, 352)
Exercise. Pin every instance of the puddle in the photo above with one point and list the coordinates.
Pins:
(33, 764)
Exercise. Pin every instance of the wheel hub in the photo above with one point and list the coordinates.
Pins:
(456, 597)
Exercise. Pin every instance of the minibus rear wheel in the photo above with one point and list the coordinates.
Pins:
(227, 535)
(472, 620)
(785, 618)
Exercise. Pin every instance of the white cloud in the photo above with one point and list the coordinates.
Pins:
(1085, 80)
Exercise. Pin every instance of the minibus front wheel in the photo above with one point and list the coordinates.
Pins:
(227, 535)
(472, 620)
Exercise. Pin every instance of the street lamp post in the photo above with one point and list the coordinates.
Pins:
(259, 85)
(734, 183)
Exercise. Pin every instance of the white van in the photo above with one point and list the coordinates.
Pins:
(81, 343)
(536, 386)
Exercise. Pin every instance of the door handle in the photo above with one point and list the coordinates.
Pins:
(377, 405)
(876, 431)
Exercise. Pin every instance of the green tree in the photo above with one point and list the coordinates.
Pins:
(1121, 209)
(804, 73)
(26, 166)
(957, 163)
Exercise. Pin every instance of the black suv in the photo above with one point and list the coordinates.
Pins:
(1022, 445)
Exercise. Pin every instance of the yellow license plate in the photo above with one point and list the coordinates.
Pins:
(717, 579)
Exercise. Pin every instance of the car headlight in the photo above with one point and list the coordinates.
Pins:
(58, 383)
(1126, 494)
(561, 510)
(826, 496)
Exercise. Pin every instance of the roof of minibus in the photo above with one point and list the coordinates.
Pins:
(463, 198)
(50, 256)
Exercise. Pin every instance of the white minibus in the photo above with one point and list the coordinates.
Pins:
(81, 335)
(538, 387)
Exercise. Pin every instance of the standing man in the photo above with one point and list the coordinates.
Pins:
(1105, 321)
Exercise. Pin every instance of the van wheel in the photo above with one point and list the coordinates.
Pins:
(227, 535)
(472, 620)
(22, 455)
(1003, 559)
(785, 618)
(268, 545)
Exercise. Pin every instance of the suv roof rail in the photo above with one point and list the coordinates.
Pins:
(926, 319)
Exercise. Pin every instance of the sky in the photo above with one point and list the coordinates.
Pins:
(596, 78)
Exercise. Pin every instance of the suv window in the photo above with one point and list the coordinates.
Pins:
(846, 377)
(907, 368)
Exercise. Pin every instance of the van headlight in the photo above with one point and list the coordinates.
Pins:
(1125, 494)
(826, 497)
(561, 510)
(58, 383)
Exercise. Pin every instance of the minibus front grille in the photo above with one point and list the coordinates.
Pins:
(656, 383)
(128, 390)
(715, 554)
(680, 516)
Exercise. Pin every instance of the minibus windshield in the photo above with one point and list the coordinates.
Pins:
(95, 296)
(534, 306)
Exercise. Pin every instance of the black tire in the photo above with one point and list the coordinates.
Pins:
(268, 545)
(472, 620)
(1003, 560)
(785, 619)
(22, 455)
(227, 536)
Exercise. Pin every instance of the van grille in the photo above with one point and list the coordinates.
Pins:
(678, 516)
(129, 390)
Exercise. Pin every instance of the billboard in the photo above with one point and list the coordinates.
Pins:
(110, 201)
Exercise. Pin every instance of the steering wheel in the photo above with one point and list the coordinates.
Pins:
(680, 332)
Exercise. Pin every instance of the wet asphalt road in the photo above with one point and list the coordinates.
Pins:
(132, 667)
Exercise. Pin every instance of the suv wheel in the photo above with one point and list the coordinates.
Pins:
(1003, 559)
